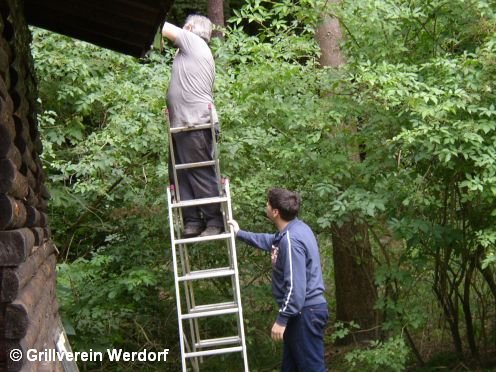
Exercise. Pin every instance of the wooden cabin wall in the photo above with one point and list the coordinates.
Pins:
(28, 306)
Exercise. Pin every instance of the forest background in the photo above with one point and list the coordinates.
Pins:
(393, 150)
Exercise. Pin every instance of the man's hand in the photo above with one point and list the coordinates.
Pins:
(277, 332)
(234, 225)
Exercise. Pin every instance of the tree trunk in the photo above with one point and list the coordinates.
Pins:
(468, 311)
(445, 290)
(329, 36)
(353, 274)
(356, 293)
(489, 277)
(216, 15)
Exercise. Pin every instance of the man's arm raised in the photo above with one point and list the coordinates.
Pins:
(170, 31)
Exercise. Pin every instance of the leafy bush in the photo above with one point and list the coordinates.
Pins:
(391, 355)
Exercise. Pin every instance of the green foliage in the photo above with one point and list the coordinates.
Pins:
(119, 296)
(443, 105)
(341, 330)
(391, 355)
(102, 127)
(423, 70)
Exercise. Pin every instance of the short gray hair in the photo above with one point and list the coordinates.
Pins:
(200, 26)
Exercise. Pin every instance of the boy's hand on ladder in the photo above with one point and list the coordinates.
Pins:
(234, 226)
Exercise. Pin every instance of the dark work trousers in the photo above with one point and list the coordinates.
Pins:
(304, 340)
(196, 183)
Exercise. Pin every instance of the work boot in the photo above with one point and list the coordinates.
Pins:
(212, 230)
(191, 231)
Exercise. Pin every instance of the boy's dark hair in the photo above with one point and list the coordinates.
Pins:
(287, 202)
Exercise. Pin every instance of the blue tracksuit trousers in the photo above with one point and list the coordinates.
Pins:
(303, 340)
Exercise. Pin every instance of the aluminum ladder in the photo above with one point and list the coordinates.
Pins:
(194, 346)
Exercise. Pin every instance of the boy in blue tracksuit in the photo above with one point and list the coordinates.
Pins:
(297, 283)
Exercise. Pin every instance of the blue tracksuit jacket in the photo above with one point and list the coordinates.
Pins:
(296, 272)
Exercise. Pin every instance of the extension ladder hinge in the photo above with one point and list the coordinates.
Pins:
(207, 274)
(218, 342)
(213, 352)
(202, 238)
(196, 202)
(195, 165)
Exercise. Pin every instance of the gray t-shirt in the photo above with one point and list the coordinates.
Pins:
(192, 81)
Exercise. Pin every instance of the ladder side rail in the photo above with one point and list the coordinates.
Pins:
(194, 361)
(237, 298)
(215, 155)
(230, 253)
(194, 323)
(185, 268)
(176, 282)
(188, 291)
(236, 274)
(178, 221)
(225, 215)
(172, 161)
(189, 295)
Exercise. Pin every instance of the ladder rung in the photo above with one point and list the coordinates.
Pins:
(195, 165)
(213, 352)
(191, 127)
(203, 201)
(201, 314)
(219, 306)
(206, 274)
(218, 341)
(202, 238)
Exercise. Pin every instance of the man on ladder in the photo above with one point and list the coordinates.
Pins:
(190, 100)
(199, 202)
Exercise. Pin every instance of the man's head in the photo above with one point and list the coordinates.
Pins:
(199, 25)
(282, 203)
